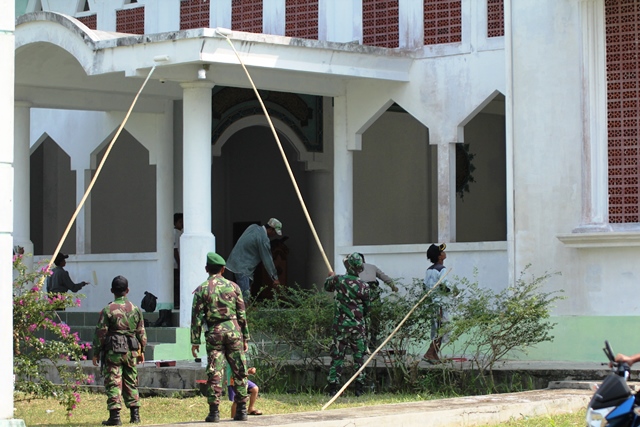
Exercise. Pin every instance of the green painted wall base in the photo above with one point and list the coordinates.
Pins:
(180, 350)
(576, 338)
(581, 338)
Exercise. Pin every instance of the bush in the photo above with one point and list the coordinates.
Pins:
(294, 325)
(43, 342)
(486, 326)
(404, 350)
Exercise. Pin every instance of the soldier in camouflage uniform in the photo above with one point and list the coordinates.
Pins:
(119, 342)
(352, 305)
(218, 308)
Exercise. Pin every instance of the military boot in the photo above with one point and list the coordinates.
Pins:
(114, 418)
(333, 389)
(214, 414)
(241, 412)
(135, 415)
(359, 389)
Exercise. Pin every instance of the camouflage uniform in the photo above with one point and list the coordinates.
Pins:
(120, 318)
(352, 305)
(218, 308)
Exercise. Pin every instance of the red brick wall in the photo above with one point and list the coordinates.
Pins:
(623, 102)
(90, 21)
(194, 14)
(301, 19)
(246, 15)
(130, 20)
(442, 21)
(495, 18)
(380, 23)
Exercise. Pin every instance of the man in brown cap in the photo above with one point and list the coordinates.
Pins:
(253, 247)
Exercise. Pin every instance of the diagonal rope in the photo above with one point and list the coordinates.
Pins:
(344, 387)
(284, 156)
(95, 176)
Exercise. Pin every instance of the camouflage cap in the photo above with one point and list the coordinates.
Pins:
(215, 259)
(353, 263)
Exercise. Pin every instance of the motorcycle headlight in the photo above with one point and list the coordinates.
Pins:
(596, 417)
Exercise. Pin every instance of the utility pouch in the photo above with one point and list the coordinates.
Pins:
(134, 345)
(118, 344)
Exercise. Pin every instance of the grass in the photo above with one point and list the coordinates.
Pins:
(563, 420)
(166, 410)
(92, 409)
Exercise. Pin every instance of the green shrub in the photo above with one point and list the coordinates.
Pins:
(487, 326)
(41, 341)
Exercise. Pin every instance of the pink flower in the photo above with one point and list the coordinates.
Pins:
(33, 327)
(78, 302)
(41, 340)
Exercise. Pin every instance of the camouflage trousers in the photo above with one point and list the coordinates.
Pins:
(343, 339)
(225, 344)
(121, 377)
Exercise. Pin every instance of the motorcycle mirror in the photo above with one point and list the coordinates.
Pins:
(608, 351)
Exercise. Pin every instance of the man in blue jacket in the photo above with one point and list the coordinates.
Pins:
(253, 247)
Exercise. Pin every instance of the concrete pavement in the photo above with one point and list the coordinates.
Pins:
(454, 412)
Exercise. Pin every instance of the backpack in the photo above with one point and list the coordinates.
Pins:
(148, 303)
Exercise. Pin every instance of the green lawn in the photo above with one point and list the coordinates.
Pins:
(164, 410)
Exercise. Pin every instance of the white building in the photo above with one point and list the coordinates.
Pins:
(386, 109)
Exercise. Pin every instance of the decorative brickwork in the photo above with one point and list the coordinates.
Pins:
(380, 23)
(442, 21)
(246, 15)
(194, 14)
(495, 18)
(301, 19)
(130, 21)
(623, 102)
(90, 21)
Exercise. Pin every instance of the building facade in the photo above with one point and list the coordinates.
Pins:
(506, 129)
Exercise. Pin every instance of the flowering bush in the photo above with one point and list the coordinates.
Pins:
(42, 343)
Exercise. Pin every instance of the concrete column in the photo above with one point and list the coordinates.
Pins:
(342, 181)
(340, 21)
(7, 78)
(274, 17)
(446, 193)
(164, 204)
(220, 14)
(83, 178)
(411, 23)
(595, 173)
(21, 189)
(197, 239)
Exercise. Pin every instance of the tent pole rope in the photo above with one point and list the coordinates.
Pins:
(284, 156)
(98, 170)
(344, 387)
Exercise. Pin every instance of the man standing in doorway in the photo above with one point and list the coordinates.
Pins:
(254, 246)
(178, 225)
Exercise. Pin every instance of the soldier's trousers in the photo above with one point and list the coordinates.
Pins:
(225, 344)
(343, 339)
(121, 376)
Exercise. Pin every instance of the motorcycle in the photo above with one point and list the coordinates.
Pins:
(614, 404)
